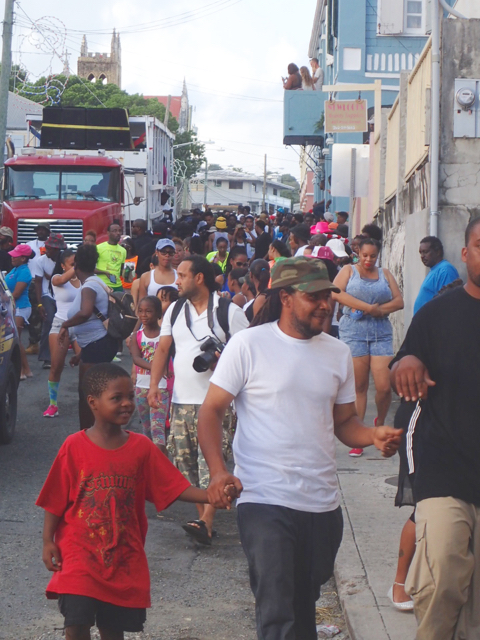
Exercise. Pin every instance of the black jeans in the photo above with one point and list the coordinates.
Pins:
(290, 555)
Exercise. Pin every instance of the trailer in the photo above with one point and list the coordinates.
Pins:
(147, 165)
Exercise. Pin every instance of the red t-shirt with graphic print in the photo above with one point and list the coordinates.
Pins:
(100, 494)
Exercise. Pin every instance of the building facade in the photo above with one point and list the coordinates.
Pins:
(231, 188)
(101, 67)
(360, 41)
(179, 108)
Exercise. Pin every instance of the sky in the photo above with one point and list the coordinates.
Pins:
(232, 54)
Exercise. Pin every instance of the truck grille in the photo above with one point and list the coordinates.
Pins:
(71, 230)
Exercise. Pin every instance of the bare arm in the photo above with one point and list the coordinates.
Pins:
(19, 289)
(137, 354)
(350, 430)
(158, 369)
(210, 436)
(51, 554)
(193, 494)
(346, 299)
(63, 278)
(87, 305)
(142, 288)
(396, 303)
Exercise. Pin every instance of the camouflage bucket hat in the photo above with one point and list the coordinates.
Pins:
(303, 274)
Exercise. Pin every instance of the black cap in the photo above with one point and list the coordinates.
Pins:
(301, 231)
(159, 227)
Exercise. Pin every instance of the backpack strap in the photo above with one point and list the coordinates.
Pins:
(176, 310)
(222, 316)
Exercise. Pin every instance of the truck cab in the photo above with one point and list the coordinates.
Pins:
(73, 193)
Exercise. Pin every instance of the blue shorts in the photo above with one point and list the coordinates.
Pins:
(375, 347)
(367, 337)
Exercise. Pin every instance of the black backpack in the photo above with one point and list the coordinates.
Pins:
(121, 319)
(222, 317)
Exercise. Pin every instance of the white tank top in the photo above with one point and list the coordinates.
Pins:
(65, 294)
(153, 285)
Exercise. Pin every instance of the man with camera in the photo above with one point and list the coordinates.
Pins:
(198, 326)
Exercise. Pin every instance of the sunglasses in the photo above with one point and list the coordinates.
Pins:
(240, 263)
(168, 252)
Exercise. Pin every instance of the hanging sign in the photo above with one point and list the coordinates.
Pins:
(346, 116)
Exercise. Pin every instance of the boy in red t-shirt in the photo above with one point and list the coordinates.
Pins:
(95, 522)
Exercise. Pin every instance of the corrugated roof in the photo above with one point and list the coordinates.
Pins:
(18, 107)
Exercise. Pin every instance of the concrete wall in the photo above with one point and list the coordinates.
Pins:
(459, 181)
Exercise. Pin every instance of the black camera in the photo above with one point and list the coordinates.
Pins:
(204, 361)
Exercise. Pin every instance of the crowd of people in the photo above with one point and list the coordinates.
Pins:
(316, 300)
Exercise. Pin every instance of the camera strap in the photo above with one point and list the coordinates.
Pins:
(209, 320)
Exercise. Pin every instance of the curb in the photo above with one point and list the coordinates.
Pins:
(359, 604)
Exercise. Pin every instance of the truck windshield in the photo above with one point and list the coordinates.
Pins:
(69, 183)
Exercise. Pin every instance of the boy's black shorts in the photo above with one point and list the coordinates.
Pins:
(82, 610)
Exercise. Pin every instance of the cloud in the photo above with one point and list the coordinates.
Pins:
(232, 61)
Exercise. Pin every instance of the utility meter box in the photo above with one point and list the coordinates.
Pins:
(466, 108)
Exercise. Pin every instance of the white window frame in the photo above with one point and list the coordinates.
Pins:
(414, 31)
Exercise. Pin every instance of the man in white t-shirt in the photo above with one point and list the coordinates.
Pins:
(294, 391)
(198, 315)
(317, 74)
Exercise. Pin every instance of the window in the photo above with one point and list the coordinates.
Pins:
(217, 183)
(275, 192)
(414, 16)
(352, 59)
(235, 185)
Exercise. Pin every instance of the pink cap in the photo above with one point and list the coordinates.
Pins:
(21, 250)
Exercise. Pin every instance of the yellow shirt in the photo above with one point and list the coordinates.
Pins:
(111, 258)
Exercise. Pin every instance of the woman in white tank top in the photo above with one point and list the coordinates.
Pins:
(163, 275)
(64, 286)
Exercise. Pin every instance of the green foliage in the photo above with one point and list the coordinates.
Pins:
(294, 196)
(81, 93)
(237, 169)
(193, 155)
(215, 167)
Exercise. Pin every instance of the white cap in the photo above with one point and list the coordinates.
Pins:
(328, 216)
(338, 248)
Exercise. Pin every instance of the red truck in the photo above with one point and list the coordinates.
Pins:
(73, 193)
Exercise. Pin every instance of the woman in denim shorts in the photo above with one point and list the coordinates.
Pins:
(369, 294)
(64, 286)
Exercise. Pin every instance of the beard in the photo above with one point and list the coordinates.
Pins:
(307, 329)
(474, 276)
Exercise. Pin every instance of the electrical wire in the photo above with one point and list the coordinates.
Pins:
(171, 21)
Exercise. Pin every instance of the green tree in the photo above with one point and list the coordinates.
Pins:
(82, 93)
(193, 154)
(237, 169)
(293, 196)
(215, 167)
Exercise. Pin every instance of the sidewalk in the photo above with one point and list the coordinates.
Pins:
(367, 560)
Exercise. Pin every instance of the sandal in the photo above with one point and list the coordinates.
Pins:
(197, 529)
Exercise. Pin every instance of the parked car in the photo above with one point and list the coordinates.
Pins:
(9, 364)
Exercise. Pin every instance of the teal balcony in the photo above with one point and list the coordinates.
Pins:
(301, 113)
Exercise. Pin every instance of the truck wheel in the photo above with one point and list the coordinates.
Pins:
(8, 406)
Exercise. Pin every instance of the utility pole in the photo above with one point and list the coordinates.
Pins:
(264, 182)
(205, 186)
(5, 75)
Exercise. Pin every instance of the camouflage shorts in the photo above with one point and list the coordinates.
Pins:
(183, 443)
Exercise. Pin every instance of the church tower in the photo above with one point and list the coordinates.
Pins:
(101, 67)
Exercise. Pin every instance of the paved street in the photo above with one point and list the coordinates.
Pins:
(198, 593)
